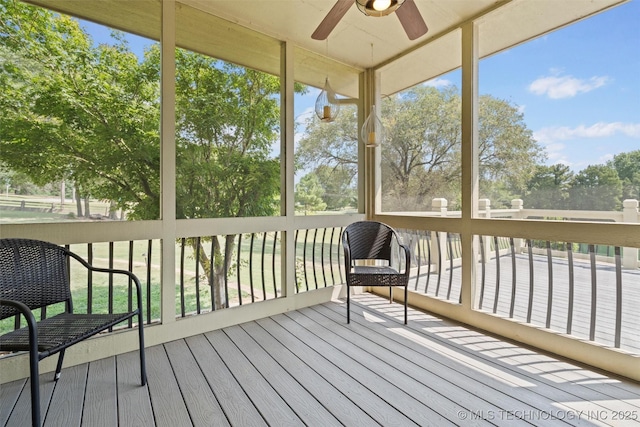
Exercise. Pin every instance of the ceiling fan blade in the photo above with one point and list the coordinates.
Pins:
(331, 20)
(411, 20)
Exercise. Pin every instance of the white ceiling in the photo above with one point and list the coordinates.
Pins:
(350, 42)
(357, 42)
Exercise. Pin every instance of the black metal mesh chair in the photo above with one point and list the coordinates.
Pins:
(375, 241)
(34, 274)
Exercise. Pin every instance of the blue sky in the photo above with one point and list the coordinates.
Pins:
(578, 87)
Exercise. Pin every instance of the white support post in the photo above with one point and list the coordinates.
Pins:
(287, 207)
(469, 155)
(630, 214)
(168, 161)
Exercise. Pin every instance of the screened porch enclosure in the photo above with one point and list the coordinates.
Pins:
(256, 286)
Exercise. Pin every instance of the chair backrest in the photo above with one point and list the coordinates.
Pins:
(368, 240)
(32, 272)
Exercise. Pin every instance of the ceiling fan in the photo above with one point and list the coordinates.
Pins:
(408, 14)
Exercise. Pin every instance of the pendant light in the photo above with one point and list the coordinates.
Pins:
(327, 107)
(373, 132)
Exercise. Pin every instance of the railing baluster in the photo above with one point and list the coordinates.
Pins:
(130, 284)
(339, 248)
(451, 255)
(513, 276)
(225, 269)
(238, 269)
(304, 259)
(182, 303)
(571, 287)
(90, 279)
(482, 272)
(439, 262)
(333, 279)
(428, 243)
(313, 257)
(592, 325)
(262, 270)
(110, 283)
(418, 258)
(212, 272)
(618, 296)
(253, 298)
(295, 269)
(110, 302)
(531, 278)
(324, 276)
(273, 263)
(197, 259)
(550, 289)
(149, 250)
(496, 248)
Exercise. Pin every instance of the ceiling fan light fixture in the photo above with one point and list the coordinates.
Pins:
(378, 8)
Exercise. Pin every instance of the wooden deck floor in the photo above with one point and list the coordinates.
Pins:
(308, 367)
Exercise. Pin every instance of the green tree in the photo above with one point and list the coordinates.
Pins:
(421, 156)
(339, 186)
(627, 165)
(549, 187)
(596, 188)
(309, 194)
(334, 146)
(90, 114)
(227, 119)
(508, 153)
(76, 111)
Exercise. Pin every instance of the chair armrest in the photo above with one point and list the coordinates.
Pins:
(407, 257)
(131, 276)
(347, 256)
(28, 315)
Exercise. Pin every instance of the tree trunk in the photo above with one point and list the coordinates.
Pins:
(78, 198)
(87, 210)
(221, 264)
(113, 210)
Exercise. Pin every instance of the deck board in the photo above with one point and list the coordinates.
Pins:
(101, 405)
(308, 367)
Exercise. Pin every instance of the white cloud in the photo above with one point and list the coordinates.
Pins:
(558, 87)
(438, 83)
(550, 135)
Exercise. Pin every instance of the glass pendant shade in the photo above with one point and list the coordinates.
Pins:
(372, 132)
(327, 107)
(378, 7)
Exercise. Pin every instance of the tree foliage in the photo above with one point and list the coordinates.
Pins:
(627, 165)
(421, 156)
(596, 188)
(91, 114)
(309, 194)
(76, 111)
(549, 187)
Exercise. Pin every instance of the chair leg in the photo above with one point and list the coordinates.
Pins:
(390, 294)
(143, 368)
(348, 304)
(405, 304)
(59, 366)
(35, 387)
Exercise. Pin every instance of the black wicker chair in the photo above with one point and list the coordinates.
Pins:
(34, 274)
(371, 240)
